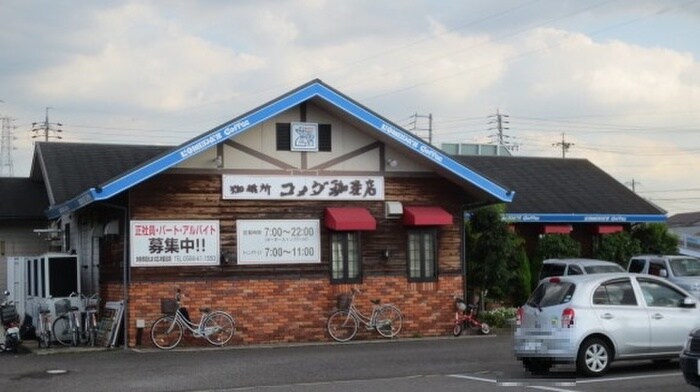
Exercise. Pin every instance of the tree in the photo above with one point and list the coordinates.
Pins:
(618, 248)
(654, 238)
(496, 257)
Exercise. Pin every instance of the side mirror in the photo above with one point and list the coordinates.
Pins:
(6, 293)
(688, 302)
(663, 273)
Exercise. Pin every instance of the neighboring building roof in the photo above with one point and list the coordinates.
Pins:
(563, 190)
(320, 93)
(68, 169)
(687, 219)
(22, 198)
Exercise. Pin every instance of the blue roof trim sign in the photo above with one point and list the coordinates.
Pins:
(247, 121)
(582, 218)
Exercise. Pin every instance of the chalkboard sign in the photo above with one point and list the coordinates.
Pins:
(108, 327)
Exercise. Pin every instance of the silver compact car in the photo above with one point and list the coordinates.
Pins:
(593, 320)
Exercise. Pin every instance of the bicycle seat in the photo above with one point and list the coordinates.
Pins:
(44, 311)
(91, 307)
(205, 310)
(74, 308)
(471, 306)
(375, 301)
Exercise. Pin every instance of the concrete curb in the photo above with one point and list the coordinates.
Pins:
(32, 346)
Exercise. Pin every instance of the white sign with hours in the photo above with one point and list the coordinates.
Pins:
(284, 241)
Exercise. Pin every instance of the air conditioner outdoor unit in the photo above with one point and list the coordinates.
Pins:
(393, 209)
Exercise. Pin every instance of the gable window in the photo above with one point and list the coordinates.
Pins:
(422, 255)
(284, 138)
(346, 266)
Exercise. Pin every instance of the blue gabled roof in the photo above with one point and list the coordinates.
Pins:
(314, 89)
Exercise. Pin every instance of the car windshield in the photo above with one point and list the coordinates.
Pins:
(550, 293)
(685, 266)
(602, 269)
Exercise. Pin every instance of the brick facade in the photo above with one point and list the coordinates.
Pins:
(293, 310)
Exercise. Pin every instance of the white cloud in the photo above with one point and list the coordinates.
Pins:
(167, 69)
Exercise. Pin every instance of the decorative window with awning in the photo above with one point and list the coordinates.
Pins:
(346, 252)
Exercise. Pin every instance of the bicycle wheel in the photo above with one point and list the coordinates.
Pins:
(62, 331)
(457, 330)
(484, 328)
(388, 321)
(164, 334)
(219, 327)
(342, 326)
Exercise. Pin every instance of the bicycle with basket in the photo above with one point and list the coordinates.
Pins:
(217, 326)
(343, 323)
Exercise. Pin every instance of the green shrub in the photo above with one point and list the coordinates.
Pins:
(498, 318)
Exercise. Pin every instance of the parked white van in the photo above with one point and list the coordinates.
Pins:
(681, 270)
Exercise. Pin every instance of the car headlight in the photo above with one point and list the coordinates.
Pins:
(686, 346)
(689, 340)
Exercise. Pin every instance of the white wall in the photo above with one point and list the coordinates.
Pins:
(17, 238)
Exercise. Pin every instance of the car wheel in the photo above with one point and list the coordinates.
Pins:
(537, 366)
(594, 358)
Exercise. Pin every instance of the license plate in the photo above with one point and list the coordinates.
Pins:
(534, 346)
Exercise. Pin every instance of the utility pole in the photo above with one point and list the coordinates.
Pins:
(633, 184)
(46, 127)
(6, 138)
(416, 129)
(564, 145)
(500, 121)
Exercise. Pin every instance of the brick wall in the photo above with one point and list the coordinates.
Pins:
(294, 310)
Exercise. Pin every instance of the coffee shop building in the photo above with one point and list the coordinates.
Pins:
(270, 217)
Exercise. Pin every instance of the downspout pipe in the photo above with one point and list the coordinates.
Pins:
(125, 272)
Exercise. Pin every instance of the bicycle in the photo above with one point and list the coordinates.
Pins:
(216, 326)
(90, 322)
(43, 333)
(343, 323)
(66, 326)
(465, 317)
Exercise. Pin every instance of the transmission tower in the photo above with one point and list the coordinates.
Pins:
(47, 127)
(500, 121)
(6, 138)
(564, 145)
(415, 128)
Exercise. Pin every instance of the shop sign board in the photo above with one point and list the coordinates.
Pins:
(304, 136)
(282, 241)
(252, 187)
(174, 243)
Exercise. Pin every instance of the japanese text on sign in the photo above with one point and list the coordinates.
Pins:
(278, 241)
(244, 187)
(174, 243)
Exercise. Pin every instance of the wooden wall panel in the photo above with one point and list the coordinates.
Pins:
(198, 196)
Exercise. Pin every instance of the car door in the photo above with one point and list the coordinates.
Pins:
(669, 321)
(621, 316)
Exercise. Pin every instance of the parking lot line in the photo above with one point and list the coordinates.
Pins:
(606, 379)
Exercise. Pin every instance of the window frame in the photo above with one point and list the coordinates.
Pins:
(431, 233)
(344, 237)
(283, 137)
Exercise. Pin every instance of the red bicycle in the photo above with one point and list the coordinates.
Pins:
(465, 317)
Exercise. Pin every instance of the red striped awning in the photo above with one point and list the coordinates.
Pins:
(426, 216)
(608, 229)
(349, 219)
(557, 229)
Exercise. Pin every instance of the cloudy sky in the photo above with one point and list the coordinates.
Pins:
(619, 79)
